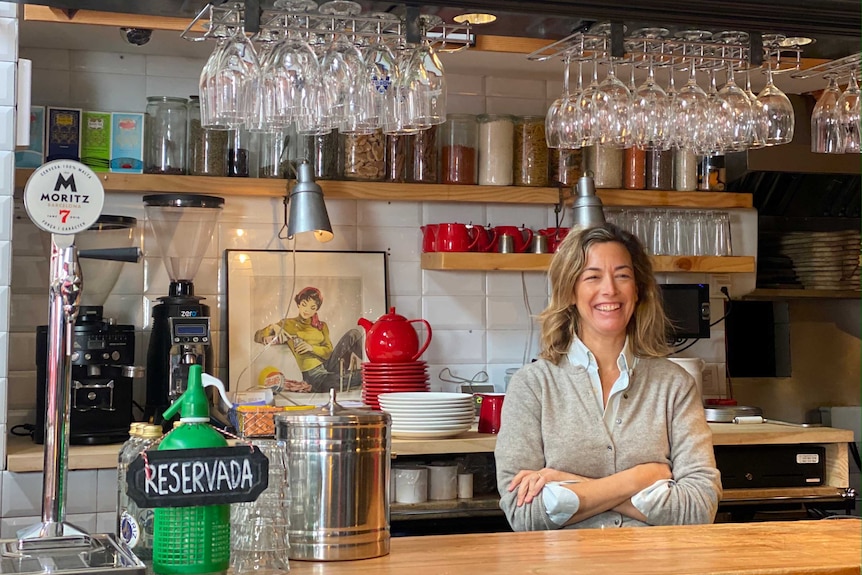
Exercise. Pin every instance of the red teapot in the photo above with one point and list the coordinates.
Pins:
(391, 339)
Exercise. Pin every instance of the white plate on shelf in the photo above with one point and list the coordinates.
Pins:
(424, 397)
(432, 426)
(402, 434)
(428, 413)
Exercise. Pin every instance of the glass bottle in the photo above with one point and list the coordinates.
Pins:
(531, 152)
(363, 156)
(135, 524)
(459, 143)
(606, 165)
(496, 149)
(424, 154)
(566, 166)
(165, 135)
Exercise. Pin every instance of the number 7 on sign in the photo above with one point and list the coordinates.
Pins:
(64, 215)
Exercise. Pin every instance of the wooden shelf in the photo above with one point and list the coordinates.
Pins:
(388, 191)
(539, 262)
(773, 294)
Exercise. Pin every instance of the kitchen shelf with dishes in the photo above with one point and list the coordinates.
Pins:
(394, 191)
(469, 261)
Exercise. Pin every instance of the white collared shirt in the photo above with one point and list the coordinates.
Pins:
(560, 502)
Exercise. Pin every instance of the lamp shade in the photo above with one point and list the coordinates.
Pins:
(587, 206)
(307, 209)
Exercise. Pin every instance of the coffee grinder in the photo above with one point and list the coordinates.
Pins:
(103, 352)
(183, 226)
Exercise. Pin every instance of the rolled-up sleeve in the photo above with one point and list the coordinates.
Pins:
(694, 495)
(520, 446)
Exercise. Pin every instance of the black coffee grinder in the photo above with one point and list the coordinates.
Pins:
(183, 226)
(103, 352)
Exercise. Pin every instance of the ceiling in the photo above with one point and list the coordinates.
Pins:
(834, 24)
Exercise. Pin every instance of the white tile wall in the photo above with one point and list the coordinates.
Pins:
(7, 83)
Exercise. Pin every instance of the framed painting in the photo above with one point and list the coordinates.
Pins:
(292, 321)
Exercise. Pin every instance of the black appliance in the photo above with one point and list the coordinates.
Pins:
(182, 225)
(751, 466)
(687, 308)
(103, 357)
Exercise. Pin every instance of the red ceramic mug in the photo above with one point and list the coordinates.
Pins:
(555, 236)
(489, 412)
(522, 237)
(456, 237)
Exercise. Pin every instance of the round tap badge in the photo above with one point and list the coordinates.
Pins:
(64, 197)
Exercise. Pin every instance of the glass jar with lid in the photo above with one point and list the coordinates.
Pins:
(496, 145)
(207, 150)
(606, 165)
(321, 151)
(363, 156)
(165, 135)
(424, 156)
(458, 150)
(397, 156)
(531, 152)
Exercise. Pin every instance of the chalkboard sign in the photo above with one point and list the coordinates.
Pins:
(193, 477)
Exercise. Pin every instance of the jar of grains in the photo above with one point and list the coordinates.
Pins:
(684, 170)
(424, 156)
(531, 152)
(321, 151)
(566, 166)
(606, 165)
(496, 148)
(397, 151)
(207, 149)
(659, 170)
(458, 147)
(165, 135)
(363, 156)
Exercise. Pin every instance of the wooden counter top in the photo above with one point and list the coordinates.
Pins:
(24, 455)
(826, 547)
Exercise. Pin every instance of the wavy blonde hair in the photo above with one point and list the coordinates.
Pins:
(648, 327)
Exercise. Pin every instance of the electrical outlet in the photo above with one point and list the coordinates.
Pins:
(716, 282)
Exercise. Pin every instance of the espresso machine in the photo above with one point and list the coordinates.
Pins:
(103, 352)
(183, 226)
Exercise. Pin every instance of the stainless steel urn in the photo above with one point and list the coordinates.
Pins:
(338, 476)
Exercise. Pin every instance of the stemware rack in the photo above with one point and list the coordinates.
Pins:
(314, 25)
(841, 68)
(608, 43)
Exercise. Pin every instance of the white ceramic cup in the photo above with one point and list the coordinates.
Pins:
(411, 484)
(465, 486)
(442, 481)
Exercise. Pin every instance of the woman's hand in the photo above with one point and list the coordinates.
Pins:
(302, 346)
(529, 482)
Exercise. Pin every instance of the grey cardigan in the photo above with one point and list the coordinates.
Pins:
(551, 418)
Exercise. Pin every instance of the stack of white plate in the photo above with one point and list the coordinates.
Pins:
(428, 415)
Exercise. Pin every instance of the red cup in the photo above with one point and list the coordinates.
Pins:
(456, 237)
(489, 412)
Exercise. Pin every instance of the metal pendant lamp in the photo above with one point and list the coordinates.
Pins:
(307, 209)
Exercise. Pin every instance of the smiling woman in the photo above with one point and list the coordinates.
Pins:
(602, 431)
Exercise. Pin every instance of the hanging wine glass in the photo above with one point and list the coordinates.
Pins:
(826, 121)
(780, 119)
(759, 120)
(739, 117)
(423, 81)
(381, 65)
(228, 80)
(263, 116)
(552, 117)
(610, 111)
(650, 103)
(573, 120)
(849, 116)
(690, 107)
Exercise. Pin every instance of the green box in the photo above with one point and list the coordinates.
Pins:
(96, 140)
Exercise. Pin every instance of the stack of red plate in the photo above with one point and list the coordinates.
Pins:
(380, 378)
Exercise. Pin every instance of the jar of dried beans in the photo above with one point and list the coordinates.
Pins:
(531, 152)
(363, 156)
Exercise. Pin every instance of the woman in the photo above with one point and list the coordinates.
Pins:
(602, 431)
(323, 367)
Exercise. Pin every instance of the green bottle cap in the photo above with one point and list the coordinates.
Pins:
(193, 404)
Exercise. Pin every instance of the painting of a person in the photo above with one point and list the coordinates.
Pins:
(323, 365)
